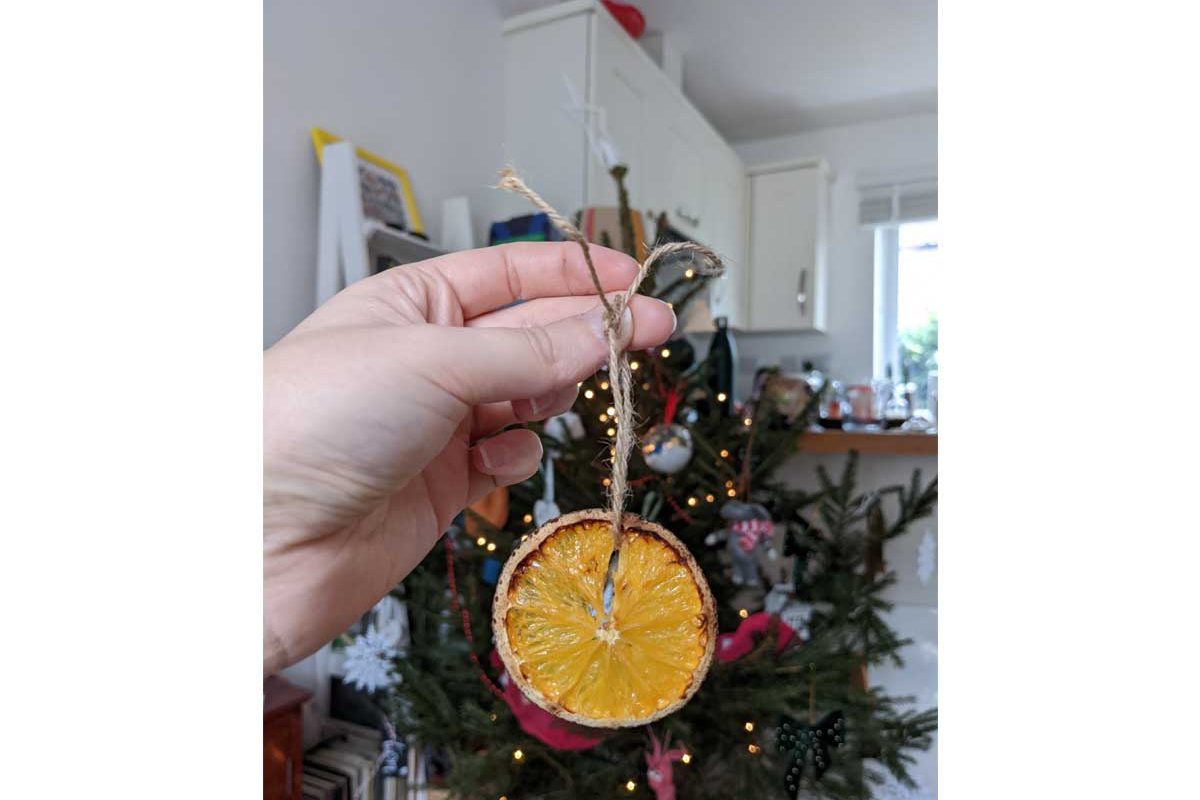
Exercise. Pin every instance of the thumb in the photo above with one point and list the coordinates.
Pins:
(487, 365)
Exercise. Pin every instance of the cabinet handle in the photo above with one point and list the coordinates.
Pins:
(689, 219)
(802, 292)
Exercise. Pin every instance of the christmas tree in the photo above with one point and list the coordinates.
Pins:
(787, 708)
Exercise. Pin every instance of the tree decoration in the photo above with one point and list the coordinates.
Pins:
(748, 531)
(812, 743)
(368, 662)
(667, 448)
(660, 769)
(540, 724)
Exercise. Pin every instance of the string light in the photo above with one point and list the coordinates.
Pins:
(481, 541)
(689, 273)
(612, 412)
(528, 518)
(692, 502)
(732, 493)
(611, 431)
(686, 758)
(666, 353)
(709, 498)
(604, 417)
(724, 454)
(491, 548)
(728, 484)
(493, 717)
(630, 786)
(604, 385)
(753, 748)
(749, 726)
(589, 394)
(743, 613)
(518, 755)
(633, 365)
(607, 482)
(747, 422)
(721, 396)
(645, 387)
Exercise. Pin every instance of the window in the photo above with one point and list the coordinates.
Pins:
(907, 264)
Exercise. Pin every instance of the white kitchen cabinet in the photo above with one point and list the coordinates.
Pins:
(788, 275)
(572, 63)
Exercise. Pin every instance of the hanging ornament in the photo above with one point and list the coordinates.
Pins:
(568, 590)
(782, 602)
(667, 448)
(747, 532)
(805, 744)
(368, 663)
(660, 770)
(393, 758)
(565, 427)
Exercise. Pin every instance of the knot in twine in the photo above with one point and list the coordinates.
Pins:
(703, 260)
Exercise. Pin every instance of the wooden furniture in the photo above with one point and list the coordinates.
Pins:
(283, 738)
(581, 95)
(899, 443)
(789, 233)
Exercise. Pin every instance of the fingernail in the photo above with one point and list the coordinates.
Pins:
(624, 329)
(674, 319)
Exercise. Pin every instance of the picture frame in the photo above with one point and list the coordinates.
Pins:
(386, 191)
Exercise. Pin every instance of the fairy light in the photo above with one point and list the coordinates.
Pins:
(724, 454)
(612, 412)
(493, 717)
(491, 547)
(604, 417)
(607, 482)
(732, 492)
(611, 431)
(747, 422)
(709, 498)
(481, 541)
(633, 365)
(528, 518)
(692, 502)
(589, 394)
(666, 352)
(604, 385)
(630, 786)
(721, 397)
(728, 484)
(689, 273)
(686, 758)
(753, 748)
(749, 726)
(645, 387)
(743, 613)
(518, 755)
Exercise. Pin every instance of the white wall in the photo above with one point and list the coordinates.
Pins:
(419, 83)
(893, 148)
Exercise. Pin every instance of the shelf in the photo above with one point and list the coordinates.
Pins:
(896, 443)
(404, 247)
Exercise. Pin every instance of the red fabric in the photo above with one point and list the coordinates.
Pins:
(629, 18)
(732, 646)
(541, 725)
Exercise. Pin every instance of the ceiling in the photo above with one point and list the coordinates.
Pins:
(762, 68)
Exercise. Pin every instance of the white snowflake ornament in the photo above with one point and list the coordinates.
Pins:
(368, 663)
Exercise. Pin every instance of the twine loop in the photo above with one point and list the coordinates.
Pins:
(703, 260)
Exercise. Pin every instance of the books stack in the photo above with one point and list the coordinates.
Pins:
(345, 766)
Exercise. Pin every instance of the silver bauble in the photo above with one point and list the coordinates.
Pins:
(667, 448)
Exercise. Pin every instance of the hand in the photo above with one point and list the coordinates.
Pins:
(385, 414)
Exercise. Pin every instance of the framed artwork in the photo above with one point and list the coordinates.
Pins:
(385, 189)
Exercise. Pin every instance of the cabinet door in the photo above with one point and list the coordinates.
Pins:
(727, 213)
(785, 220)
(684, 159)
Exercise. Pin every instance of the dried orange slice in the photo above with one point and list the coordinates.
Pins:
(630, 662)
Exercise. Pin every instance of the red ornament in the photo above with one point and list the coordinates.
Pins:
(628, 17)
(732, 646)
(542, 725)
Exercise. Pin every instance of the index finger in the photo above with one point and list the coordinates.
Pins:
(493, 277)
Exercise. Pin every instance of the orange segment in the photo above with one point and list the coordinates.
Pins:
(639, 662)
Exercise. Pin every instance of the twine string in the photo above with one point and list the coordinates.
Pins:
(703, 260)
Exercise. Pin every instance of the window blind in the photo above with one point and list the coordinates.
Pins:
(889, 204)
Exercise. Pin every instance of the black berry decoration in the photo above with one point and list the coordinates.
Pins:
(799, 741)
